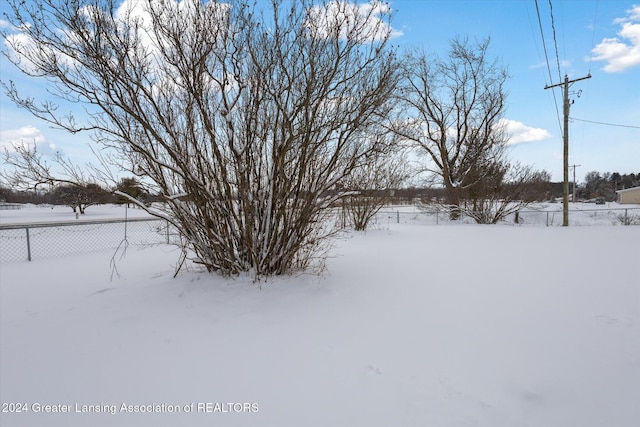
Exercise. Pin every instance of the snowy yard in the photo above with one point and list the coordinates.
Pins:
(410, 325)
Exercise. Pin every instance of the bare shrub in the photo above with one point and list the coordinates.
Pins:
(242, 120)
(371, 186)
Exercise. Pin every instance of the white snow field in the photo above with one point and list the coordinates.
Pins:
(410, 325)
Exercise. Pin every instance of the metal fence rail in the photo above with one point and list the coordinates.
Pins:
(27, 242)
(549, 218)
(582, 217)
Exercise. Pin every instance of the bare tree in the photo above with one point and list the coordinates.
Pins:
(79, 197)
(505, 189)
(454, 107)
(371, 186)
(242, 119)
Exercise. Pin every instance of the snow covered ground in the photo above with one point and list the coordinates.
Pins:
(410, 325)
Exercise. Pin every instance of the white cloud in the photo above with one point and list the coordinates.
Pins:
(519, 132)
(541, 64)
(634, 15)
(624, 52)
(20, 46)
(129, 12)
(25, 136)
(564, 64)
(343, 17)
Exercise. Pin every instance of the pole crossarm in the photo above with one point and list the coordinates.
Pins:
(568, 82)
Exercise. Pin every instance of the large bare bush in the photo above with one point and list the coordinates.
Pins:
(244, 120)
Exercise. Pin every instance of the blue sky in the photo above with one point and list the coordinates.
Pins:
(580, 26)
(597, 37)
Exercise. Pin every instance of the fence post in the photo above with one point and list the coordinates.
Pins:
(398, 217)
(167, 232)
(547, 218)
(28, 244)
(626, 218)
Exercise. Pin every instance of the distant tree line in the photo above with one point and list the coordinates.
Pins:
(79, 196)
(540, 189)
(605, 185)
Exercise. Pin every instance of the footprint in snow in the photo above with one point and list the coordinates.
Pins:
(608, 320)
(371, 369)
(102, 291)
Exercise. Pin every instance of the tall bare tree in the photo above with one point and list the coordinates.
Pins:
(454, 105)
(242, 119)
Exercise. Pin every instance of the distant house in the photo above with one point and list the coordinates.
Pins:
(629, 196)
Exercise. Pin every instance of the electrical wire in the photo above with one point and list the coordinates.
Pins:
(593, 35)
(606, 124)
(555, 41)
(546, 57)
(566, 63)
(544, 45)
(585, 110)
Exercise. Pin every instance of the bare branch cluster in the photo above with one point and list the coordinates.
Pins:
(27, 169)
(244, 121)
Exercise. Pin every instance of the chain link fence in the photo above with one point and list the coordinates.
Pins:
(27, 242)
(549, 218)
(582, 217)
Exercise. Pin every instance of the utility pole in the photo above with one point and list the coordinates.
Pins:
(565, 188)
(573, 199)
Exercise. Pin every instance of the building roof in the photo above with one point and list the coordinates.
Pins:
(628, 189)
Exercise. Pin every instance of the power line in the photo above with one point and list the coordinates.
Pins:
(564, 37)
(606, 124)
(593, 35)
(555, 41)
(546, 57)
(544, 45)
(588, 84)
